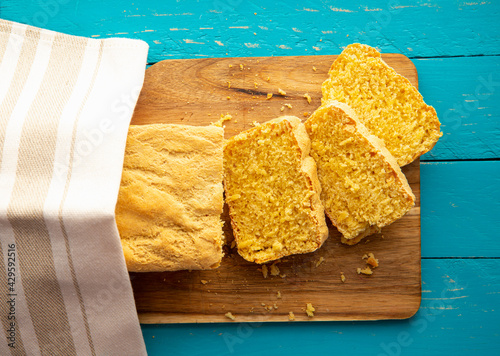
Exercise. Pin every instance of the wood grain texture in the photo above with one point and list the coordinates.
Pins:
(237, 28)
(458, 316)
(186, 92)
(466, 95)
(460, 209)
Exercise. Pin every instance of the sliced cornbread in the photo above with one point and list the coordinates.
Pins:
(272, 191)
(386, 102)
(171, 198)
(363, 188)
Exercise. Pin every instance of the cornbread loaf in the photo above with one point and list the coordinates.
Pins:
(363, 188)
(272, 191)
(171, 198)
(386, 102)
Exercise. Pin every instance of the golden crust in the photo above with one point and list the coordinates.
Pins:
(296, 130)
(339, 203)
(170, 198)
(397, 112)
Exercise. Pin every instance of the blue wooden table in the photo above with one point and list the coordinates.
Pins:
(455, 46)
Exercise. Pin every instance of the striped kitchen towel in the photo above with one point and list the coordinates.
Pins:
(65, 107)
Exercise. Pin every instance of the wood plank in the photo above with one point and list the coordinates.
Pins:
(458, 316)
(186, 92)
(460, 209)
(238, 29)
(465, 93)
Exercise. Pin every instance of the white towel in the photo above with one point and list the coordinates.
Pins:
(65, 107)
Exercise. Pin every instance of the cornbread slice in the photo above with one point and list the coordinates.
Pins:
(386, 102)
(363, 188)
(171, 198)
(272, 191)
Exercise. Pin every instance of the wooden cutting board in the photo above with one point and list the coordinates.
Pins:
(197, 92)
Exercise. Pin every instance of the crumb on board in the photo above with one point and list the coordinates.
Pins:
(278, 295)
(275, 271)
(282, 108)
(342, 277)
(281, 91)
(241, 66)
(255, 123)
(230, 66)
(306, 114)
(222, 119)
(310, 310)
(269, 95)
(289, 106)
(291, 316)
(229, 84)
(308, 98)
(283, 275)
(268, 78)
(371, 260)
(203, 281)
(264, 271)
(275, 306)
(228, 97)
(255, 85)
(320, 261)
(314, 68)
(367, 270)
(230, 315)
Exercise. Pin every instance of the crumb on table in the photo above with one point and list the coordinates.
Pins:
(291, 316)
(281, 91)
(308, 98)
(342, 277)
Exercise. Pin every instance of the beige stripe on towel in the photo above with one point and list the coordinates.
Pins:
(36, 152)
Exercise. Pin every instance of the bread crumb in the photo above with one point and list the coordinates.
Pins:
(264, 271)
(229, 315)
(283, 275)
(367, 270)
(222, 119)
(255, 85)
(241, 66)
(233, 244)
(281, 91)
(358, 270)
(291, 316)
(274, 270)
(314, 68)
(310, 310)
(255, 123)
(320, 261)
(203, 281)
(288, 106)
(282, 108)
(278, 295)
(342, 277)
(268, 78)
(228, 97)
(308, 98)
(306, 114)
(230, 66)
(229, 84)
(269, 95)
(372, 261)
(275, 306)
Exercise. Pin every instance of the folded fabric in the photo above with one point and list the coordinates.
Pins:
(65, 107)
